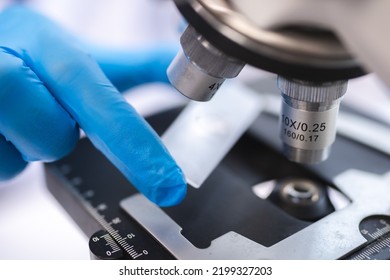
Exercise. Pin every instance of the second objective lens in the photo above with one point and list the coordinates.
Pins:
(308, 118)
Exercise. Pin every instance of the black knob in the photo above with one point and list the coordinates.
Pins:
(103, 247)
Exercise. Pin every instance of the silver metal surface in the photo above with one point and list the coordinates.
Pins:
(357, 128)
(300, 191)
(338, 200)
(308, 118)
(199, 69)
(192, 82)
(203, 134)
(365, 131)
(329, 238)
(322, 93)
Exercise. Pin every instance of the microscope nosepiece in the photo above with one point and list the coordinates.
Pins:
(199, 69)
(308, 118)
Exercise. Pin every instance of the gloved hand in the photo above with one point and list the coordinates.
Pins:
(48, 87)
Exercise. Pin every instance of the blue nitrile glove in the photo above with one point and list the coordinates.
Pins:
(48, 87)
(126, 69)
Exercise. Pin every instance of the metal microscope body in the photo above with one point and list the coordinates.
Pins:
(305, 42)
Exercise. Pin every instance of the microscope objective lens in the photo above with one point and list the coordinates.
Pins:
(199, 69)
(308, 118)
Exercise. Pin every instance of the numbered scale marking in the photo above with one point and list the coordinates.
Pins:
(376, 230)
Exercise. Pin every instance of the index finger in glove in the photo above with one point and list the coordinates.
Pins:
(113, 126)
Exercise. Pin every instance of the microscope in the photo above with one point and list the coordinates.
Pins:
(312, 64)
(250, 196)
